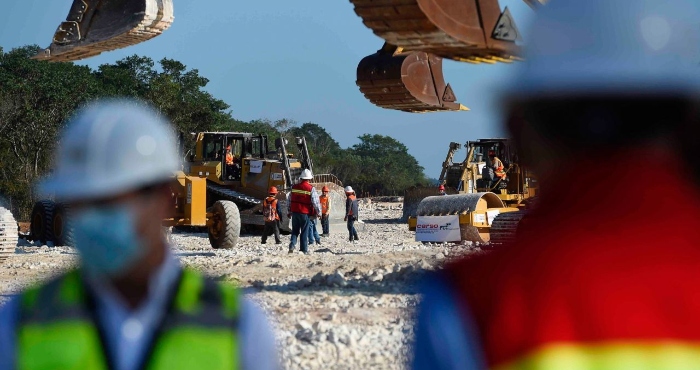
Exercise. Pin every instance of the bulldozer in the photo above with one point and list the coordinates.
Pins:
(211, 192)
(489, 206)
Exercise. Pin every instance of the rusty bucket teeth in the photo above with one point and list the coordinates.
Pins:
(465, 30)
(96, 26)
(410, 82)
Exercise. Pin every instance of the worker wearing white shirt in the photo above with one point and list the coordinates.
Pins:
(130, 305)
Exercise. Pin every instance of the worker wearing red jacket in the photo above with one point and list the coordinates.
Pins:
(605, 272)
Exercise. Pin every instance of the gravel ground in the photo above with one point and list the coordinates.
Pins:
(344, 306)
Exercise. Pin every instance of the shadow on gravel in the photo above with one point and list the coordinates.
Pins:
(384, 221)
(195, 254)
(404, 281)
(327, 250)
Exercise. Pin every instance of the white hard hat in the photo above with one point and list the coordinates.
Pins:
(306, 175)
(348, 189)
(603, 47)
(110, 148)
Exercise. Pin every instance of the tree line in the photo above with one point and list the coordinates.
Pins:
(37, 98)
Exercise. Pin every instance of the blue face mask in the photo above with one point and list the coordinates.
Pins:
(106, 239)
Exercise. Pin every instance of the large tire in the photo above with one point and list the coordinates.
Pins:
(8, 234)
(61, 226)
(41, 227)
(225, 226)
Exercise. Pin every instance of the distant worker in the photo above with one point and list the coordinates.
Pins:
(303, 204)
(233, 169)
(230, 159)
(606, 85)
(441, 190)
(325, 210)
(271, 215)
(497, 165)
(130, 304)
(351, 212)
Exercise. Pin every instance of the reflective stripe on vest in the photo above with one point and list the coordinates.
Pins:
(301, 198)
(56, 329)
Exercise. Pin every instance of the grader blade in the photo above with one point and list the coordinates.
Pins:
(96, 26)
(411, 82)
(472, 31)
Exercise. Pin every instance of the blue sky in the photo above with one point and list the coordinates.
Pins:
(293, 59)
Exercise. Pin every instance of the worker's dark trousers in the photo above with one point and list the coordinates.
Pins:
(325, 224)
(351, 228)
(300, 224)
(271, 228)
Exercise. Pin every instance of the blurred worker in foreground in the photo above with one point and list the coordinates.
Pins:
(130, 304)
(441, 190)
(303, 204)
(271, 215)
(351, 212)
(325, 211)
(592, 282)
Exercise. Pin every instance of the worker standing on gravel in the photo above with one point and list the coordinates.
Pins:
(325, 211)
(351, 212)
(271, 215)
(607, 85)
(313, 232)
(130, 304)
(303, 204)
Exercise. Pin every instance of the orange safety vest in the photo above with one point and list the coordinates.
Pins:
(270, 202)
(325, 204)
(498, 167)
(352, 199)
(301, 198)
(229, 158)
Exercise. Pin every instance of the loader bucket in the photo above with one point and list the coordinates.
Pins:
(411, 82)
(96, 26)
(472, 31)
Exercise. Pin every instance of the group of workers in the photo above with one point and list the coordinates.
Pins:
(593, 282)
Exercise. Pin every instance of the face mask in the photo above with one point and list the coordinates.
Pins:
(106, 239)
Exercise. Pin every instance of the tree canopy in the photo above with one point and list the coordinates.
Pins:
(37, 98)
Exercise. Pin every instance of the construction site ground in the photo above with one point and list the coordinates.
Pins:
(344, 306)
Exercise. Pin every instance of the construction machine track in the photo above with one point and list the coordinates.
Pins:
(8, 234)
(504, 228)
(110, 26)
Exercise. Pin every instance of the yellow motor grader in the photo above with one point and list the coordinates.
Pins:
(211, 192)
(483, 201)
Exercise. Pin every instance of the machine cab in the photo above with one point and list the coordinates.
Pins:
(228, 152)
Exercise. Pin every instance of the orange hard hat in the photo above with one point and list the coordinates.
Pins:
(441, 187)
(491, 153)
(325, 188)
(273, 190)
(228, 147)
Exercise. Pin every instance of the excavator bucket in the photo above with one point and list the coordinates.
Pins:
(472, 31)
(410, 82)
(95, 26)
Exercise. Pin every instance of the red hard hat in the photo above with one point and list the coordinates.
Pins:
(273, 190)
(491, 152)
(441, 187)
(325, 188)
(228, 147)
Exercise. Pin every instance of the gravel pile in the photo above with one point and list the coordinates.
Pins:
(346, 305)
